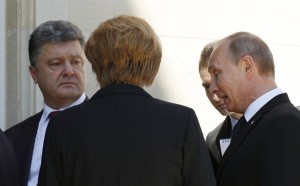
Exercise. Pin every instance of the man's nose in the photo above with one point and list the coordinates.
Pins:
(68, 69)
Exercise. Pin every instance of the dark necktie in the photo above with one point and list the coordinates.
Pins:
(238, 127)
(53, 114)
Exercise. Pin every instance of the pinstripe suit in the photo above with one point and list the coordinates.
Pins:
(123, 136)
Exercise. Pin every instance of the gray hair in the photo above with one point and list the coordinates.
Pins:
(52, 32)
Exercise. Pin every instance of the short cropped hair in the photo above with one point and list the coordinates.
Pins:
(124, 49)
(205, 55)
(244, 43)
(52, 32)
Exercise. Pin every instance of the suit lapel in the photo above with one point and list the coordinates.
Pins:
(29, 138)
(223, 133)
(247, 129)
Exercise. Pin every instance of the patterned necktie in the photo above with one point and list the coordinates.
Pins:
(237, 128)
(53, 114)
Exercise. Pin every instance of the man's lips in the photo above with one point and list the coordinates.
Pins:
(68, 83)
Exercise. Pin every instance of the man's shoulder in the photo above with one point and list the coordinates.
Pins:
(223, 127)
(29, 122)
(215, 131)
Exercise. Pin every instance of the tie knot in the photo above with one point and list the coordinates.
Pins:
(53, 114)
(238, 127)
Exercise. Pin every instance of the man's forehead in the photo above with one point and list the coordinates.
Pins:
(215, 55)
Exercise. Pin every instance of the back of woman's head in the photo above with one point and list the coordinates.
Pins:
(124, 49)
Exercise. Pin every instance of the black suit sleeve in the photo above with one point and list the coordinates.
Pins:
(197, 169)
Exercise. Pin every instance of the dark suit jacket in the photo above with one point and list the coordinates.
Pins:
(8, 163)
(123, 136)
(267, 150)
(222, 131)
(22, 137)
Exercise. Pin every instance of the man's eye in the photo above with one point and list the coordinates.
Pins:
(205, 86)
(216, 74)
(54, 64)
(77, 62)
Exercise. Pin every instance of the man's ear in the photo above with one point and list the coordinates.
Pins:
(33, 73)
(248, 65)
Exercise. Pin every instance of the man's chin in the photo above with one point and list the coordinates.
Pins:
(224, 112)
(70, 93)
(230, 109)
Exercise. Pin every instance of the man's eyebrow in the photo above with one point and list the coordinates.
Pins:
(211, 67)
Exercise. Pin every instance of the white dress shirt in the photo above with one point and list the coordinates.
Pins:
(39, 141)
(260, 102)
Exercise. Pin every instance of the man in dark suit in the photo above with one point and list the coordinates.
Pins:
(218, 139)
(57, 65)
(266, 149)
(123, 136)
(8, 163)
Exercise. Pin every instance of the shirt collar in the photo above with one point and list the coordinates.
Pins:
(260, 102)
(47, 110)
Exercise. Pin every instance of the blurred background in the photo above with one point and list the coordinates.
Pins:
(184, 27)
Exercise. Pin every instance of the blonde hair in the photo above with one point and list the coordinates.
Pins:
(205, 55)
(124, 49)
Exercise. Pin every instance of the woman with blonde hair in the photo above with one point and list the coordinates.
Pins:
(124, 136)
